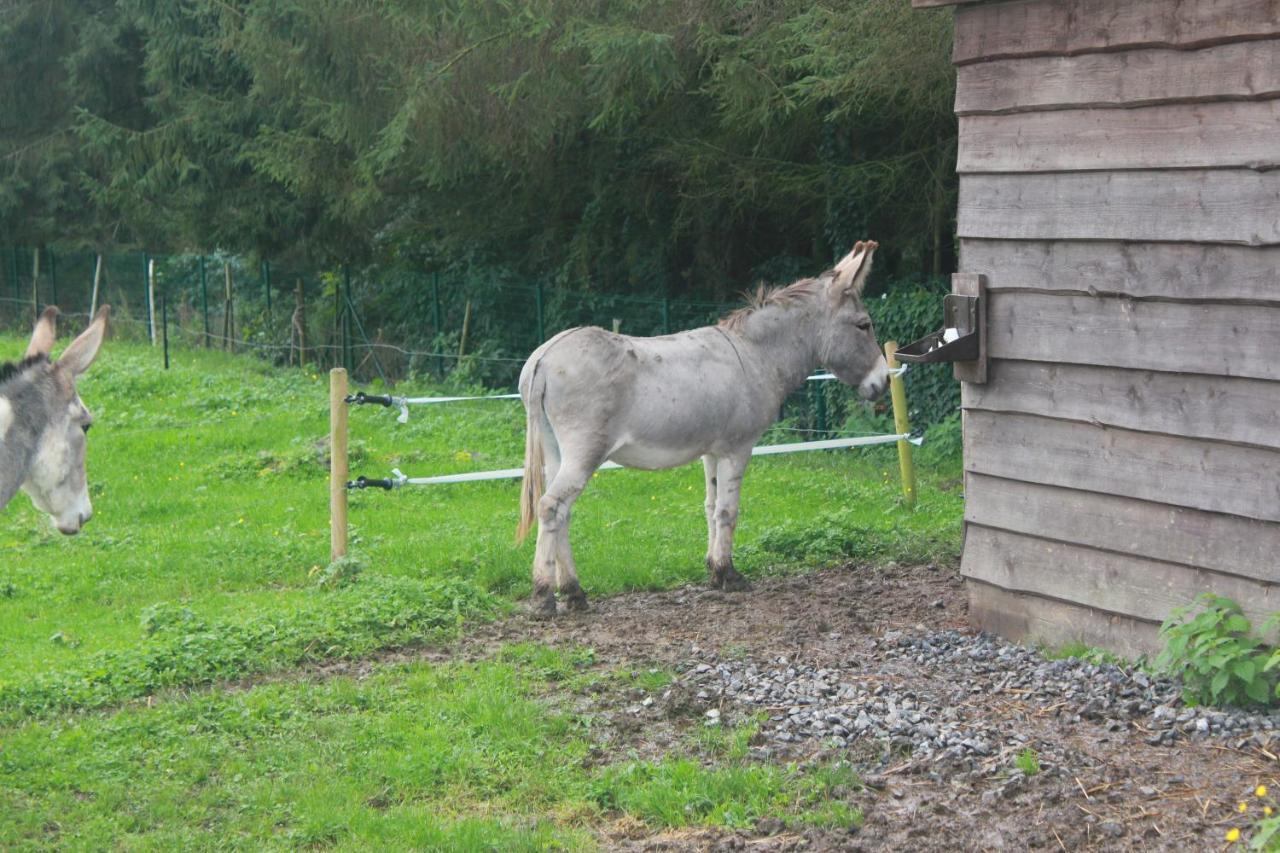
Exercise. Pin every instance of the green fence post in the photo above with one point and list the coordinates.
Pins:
(264, 270)
(146, 292)
(435, 315)
(537, 301)
(53, 278)
(204, 300)
(347, 356)
(820, 407)
(164, 326)
(13, 272)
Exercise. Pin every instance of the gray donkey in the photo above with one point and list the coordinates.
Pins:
(592, 396)
(43, 424)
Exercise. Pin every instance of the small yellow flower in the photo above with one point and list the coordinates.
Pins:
(1233, 834)
(1266, 810)
(1260, 791)
(1242, 808)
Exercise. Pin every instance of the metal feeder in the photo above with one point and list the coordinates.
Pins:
(962, 311)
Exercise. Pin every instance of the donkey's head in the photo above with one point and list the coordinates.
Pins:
(847, 344)
(45, 425)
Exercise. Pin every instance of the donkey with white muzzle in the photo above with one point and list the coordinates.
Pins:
(43, 424)
(591, 396)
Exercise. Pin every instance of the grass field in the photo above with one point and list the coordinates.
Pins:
(206, 561)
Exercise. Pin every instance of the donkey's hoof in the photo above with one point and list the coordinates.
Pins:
(576, 601)
(542, 605)
(734, 582)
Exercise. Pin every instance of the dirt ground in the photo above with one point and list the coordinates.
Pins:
(1101, 787)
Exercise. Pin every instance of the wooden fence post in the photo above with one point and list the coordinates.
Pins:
(228, 309)
(151, 299)
(300, 322)
(97, 281)
(35, 281)
(901, 425)
(337, 463)
(466, 325)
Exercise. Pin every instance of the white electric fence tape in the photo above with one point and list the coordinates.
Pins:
(398, 478)
(403, 403)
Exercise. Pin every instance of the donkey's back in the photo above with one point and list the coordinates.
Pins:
(643, 402)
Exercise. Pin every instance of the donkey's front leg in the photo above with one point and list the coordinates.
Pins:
(728, 480)
(709, 506)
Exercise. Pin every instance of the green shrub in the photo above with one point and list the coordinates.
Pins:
(1218, 656)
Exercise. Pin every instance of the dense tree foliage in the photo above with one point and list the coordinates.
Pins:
(677, 147)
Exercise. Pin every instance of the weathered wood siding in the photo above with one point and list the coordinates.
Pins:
(1119, 170)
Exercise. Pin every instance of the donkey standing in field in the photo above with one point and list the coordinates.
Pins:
(592, 396)
(43, 424)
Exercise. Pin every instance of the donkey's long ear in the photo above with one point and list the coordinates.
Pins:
(853, 269)
(45, 332)
(83, 350)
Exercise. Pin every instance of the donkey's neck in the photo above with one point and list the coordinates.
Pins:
(22, 419)
(785, 340)
(14, 456)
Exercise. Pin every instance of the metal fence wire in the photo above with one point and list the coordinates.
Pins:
(389, 325)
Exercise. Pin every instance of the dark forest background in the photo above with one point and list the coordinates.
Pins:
(686, 148)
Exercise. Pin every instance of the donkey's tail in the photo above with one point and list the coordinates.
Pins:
(532, 487)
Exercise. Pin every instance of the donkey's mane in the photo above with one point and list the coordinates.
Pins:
(11, 369)
(767, 296)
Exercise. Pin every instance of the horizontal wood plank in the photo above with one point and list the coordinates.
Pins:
(1140, 270)
(1119, 583)
(1204, 206)
(1242, 70)
(1212, 339)
(1222, 543)
(1033, 619)
(1184, 472)
(1215, 135)
(1065, 27)
(1217, 408)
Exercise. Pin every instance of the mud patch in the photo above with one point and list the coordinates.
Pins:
(892, 644)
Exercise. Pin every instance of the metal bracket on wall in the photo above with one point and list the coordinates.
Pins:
(963, 338)
(973, 285)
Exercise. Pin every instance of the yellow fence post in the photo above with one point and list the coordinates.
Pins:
(337, 463)
(898, 394)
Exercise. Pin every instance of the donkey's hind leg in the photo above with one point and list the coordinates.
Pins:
(728, 481)
(552, 552)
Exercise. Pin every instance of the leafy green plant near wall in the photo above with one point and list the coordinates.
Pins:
(1219, 656)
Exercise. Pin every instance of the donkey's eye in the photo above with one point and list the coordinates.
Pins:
(85, 427)
(864, 325)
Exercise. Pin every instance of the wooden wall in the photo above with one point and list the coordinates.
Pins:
(1120, 191)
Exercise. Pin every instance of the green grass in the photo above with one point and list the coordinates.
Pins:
(209, 487)
(454, 756)
(1028, 761)
(206, 562)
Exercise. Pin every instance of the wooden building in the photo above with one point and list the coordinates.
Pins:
(1120, 192)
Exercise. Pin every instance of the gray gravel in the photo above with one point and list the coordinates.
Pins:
(927, 696)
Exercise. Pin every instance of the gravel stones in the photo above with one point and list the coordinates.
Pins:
(921, 694)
